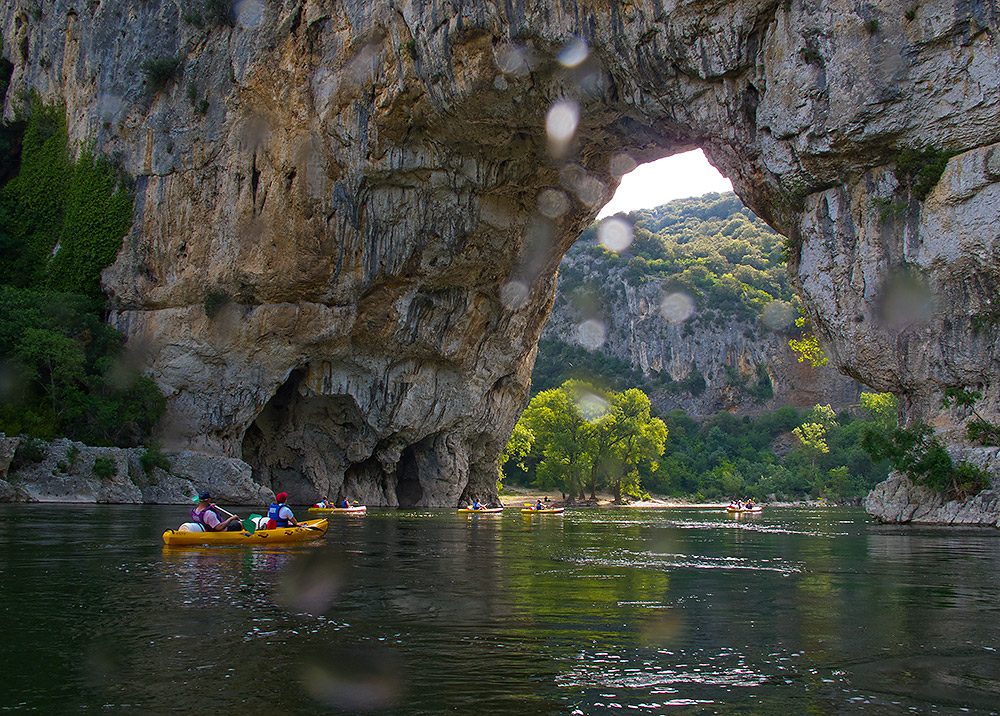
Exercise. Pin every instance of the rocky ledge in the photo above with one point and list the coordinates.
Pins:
(67, 471)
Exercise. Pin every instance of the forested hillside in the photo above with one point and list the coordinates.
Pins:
(697, 311)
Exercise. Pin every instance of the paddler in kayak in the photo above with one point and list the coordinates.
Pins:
(279, 514)
(211, 517)
(477, 505)
(324, 503)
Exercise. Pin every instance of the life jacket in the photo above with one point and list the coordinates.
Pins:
(199, 517)
(272, 514)
(343, 504)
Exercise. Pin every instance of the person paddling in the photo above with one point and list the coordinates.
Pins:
(211, 517)
(477, 505)
(279, 514)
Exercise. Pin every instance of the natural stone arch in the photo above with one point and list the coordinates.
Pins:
(365, 187)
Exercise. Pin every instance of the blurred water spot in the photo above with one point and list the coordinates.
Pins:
(511, 60)
(360, 69)
(591, 406)
(355, 680)
(621, 164)
(500, 83)
(312, 582)
(574, 52)
(663, 627)
(553, 203)
(591, 334)
(108, 107)
(587, 188)
(778, 315)
(11, 379)
(560, 125)
(676, 307)
(906, 299)
(615, 234)
(249, 13)
(514, 295)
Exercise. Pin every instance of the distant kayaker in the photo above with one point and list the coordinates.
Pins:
(344, 504)
(211, 517)
(539, 505)
(324, 503)
(477, 505)
(279, 514)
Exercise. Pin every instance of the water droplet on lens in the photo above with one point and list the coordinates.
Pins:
(561, 121)
(514, 295)
(621, 164)
(591, 334)
(312, 583)
(553, 203)
(574, 52)
(778, 315)
(511, 60)
(591, 406)
(676, 307)
(615, 234)
(358, 680)
(248, 13)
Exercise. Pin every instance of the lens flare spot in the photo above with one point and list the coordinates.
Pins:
(511, 60)
(676, 307)
(248, 13)
(553, 203)
(615, 234)
(621, 164)
(574, 52)
(514, 295)
(561, 120)
(592, 407)
(591, 334)
(778, 315)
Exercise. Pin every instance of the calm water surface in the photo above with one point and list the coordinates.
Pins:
(428, 612)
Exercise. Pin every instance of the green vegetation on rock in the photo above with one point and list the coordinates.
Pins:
(62, 220)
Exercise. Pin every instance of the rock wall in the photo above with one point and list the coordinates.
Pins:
(65, 472)
(373, 187)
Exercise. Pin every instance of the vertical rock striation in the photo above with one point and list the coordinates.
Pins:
(371, 187)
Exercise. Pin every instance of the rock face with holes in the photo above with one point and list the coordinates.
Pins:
(349, 214)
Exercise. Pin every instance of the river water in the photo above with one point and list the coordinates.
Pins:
(428, 612)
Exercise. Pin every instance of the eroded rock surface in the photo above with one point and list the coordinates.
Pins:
(372, 187)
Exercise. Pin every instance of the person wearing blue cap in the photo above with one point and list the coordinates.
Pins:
(211, 518)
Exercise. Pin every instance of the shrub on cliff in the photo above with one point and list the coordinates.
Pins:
(62, 369)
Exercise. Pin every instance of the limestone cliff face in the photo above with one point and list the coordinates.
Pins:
(729, 353)
(372, 186)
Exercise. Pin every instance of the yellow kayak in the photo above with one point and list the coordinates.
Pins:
(312, 529)
(758, 508)
(546, 511)
(480, 511)
(359, 510)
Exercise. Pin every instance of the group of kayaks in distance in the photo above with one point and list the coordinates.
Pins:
(313, 529)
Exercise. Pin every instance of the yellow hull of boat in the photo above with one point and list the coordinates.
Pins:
(484, 511)
(260, 537)
(546, 511)
(735, 511)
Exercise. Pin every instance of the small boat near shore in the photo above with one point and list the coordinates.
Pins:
(734, 509)
(480, 511)
(356, 510)
(543, 511)
(311, 529)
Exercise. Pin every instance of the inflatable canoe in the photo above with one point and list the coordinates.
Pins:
(357, 510)
(311, 529)
(755, 508)
(481, 511)
(545, 511)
